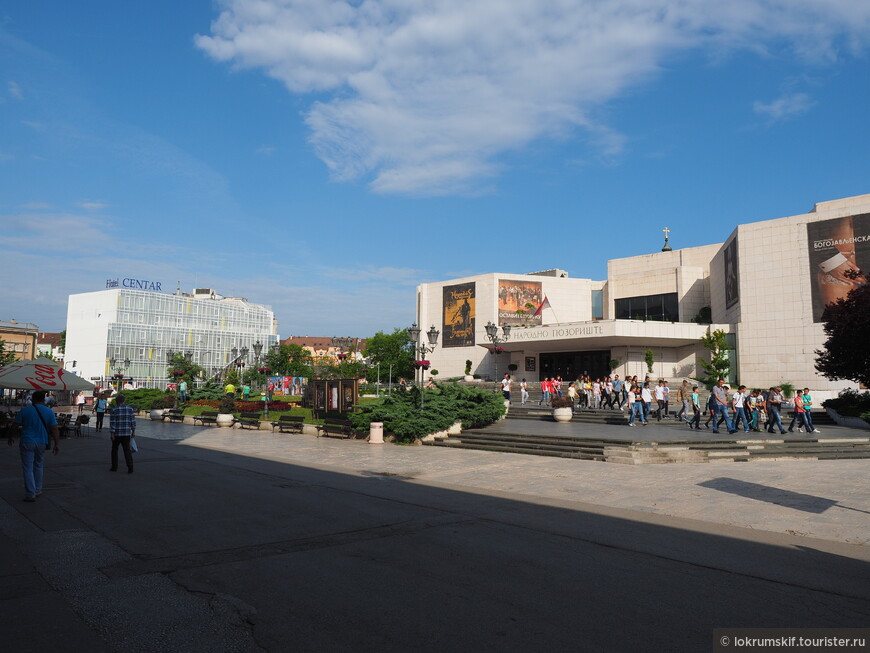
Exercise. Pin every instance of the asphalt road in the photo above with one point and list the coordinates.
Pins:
(204, 550)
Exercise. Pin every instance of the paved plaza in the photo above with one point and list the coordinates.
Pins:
(232, 540)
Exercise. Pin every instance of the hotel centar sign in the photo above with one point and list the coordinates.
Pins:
(133, 284)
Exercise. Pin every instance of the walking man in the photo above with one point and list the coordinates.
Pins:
(739, 403)
(660, 400)
(720, 405)
(774, 404)
(182, 392)
(617, 391)
(37, 423)
(808, 411)
(122, 427)
(684, 395)
(646, 400)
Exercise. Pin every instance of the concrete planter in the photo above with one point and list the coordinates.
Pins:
(842, 420)
(562, 414)
(156, 413)
(225, 420)
(468, 378)
(438, 435)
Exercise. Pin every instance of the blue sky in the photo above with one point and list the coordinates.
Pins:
(326, 157)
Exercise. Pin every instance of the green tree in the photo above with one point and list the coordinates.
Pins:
(62, 346)
(719, 364)
(650, 358)
(394, 349)
(846, 353)
(191, 370)
(289, 360)
(6, 357)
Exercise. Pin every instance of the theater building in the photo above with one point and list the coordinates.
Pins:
(765, 286)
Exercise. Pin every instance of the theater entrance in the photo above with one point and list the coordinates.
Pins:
(570, 365)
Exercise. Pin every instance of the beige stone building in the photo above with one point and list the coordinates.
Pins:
(20, 338)
(765, 286)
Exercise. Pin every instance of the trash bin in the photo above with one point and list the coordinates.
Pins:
(376, 433)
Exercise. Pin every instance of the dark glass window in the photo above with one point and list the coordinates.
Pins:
(658, 308)
(597, 304)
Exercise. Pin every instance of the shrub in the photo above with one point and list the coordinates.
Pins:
(227, 404)
(446, 404)
(143, 398)
(851, 403)
(167, 401)
(561, 402)
(211, 390)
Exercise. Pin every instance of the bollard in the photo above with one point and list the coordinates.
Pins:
(376, 433)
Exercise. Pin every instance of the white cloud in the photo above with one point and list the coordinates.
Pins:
(266, 150)
(57, 254)
(789, 105)
(91, 205)
(423, 96)
(15, 90)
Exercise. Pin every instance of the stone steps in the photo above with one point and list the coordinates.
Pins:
(688, 450)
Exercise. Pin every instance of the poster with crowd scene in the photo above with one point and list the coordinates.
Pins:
(458, 319)
(732, 280)
(516, 296)
(839, 252)
(288, 385)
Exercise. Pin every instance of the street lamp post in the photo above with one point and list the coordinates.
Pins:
(422, 349)
(496, 340)
(120, 368)
(258, 349)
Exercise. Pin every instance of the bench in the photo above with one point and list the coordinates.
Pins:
(249, 419)
(173, 415)
(289, 424)
(207, 417)
(339, 428)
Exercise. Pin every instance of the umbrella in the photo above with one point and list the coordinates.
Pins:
(41, 374)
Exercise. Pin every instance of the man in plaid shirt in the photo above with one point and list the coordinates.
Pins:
(122, 426)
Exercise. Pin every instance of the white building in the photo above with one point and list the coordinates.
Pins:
(108, 327)
(766, 287)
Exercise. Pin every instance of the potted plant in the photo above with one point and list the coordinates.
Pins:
(563, 409)
(512, 367)
(468, 378)
(225, 412)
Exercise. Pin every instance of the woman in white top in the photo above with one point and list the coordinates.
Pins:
(524, 391)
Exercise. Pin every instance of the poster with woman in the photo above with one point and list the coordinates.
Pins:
(839, 252)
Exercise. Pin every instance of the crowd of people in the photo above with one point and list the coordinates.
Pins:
(753, 410)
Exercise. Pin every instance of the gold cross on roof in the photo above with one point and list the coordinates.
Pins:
(667, 232)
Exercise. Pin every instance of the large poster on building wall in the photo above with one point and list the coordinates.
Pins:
(458, 318)
(839, 258)
(518, 301)
(732, 280)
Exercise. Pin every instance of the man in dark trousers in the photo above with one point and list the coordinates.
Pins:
(122, 426)
(37, 423)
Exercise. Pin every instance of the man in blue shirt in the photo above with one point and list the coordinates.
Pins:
(122, 427)
(37, 423)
